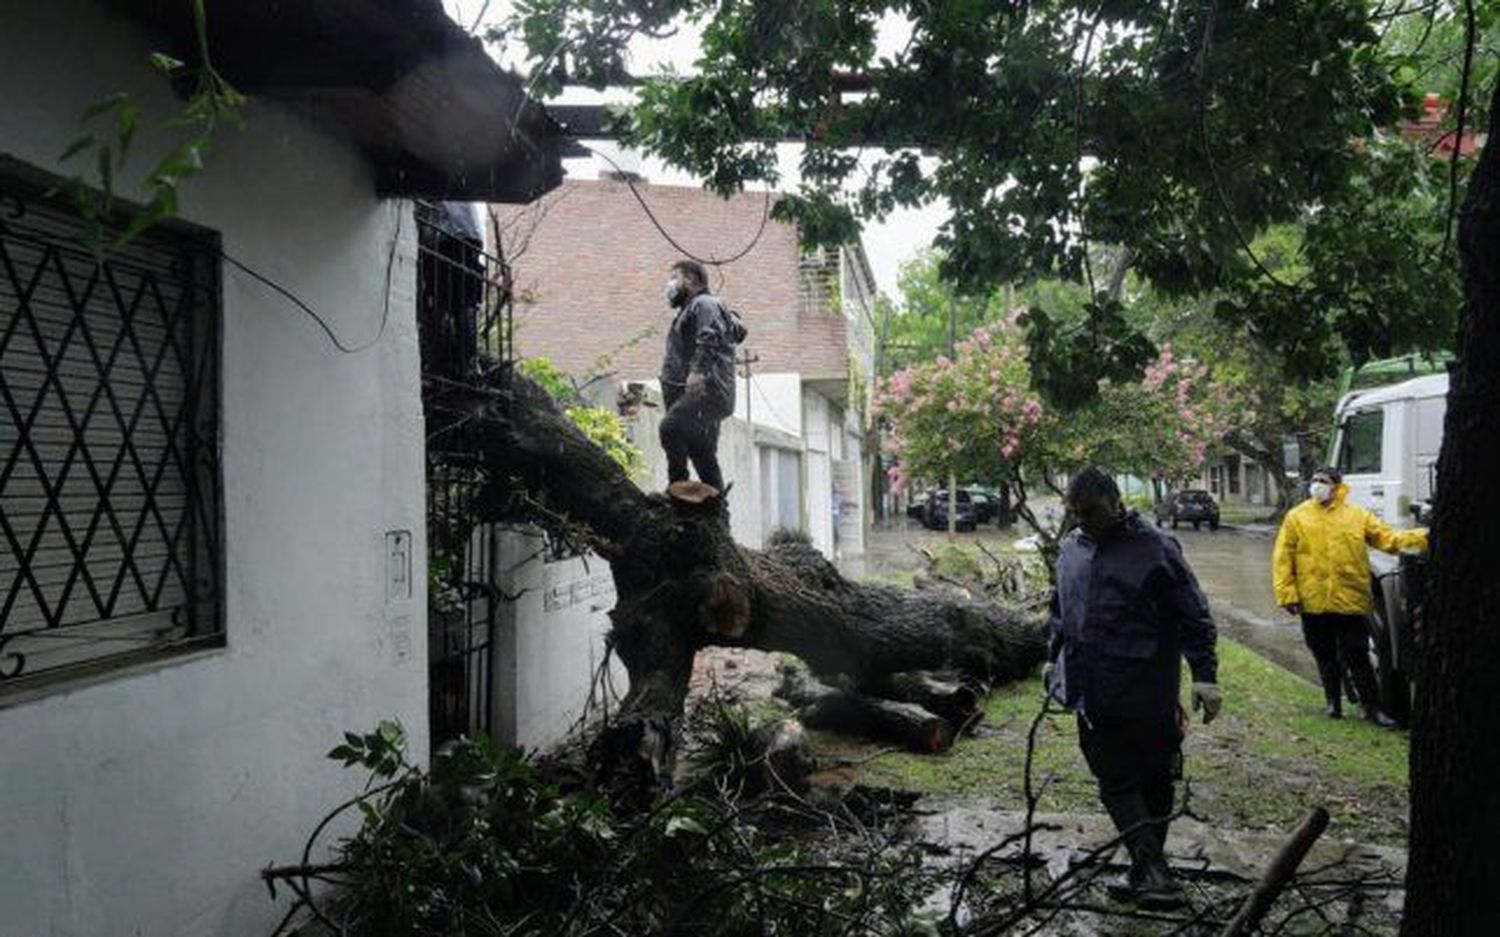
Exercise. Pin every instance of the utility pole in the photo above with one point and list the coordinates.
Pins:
(746, 360)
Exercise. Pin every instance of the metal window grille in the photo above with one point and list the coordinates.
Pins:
(464, 320)
(109, 464)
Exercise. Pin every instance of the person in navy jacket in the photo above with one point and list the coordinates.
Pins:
(1125, 611)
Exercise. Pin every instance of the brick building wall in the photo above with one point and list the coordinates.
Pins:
(590, 270)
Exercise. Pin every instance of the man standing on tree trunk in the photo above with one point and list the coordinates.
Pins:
(697, 376)
(1125, 611)
(1320, 570)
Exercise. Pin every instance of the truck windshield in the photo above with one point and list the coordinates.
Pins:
(1360, 442)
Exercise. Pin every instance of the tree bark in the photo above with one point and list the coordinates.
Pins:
(683, 583)
(1454, 865)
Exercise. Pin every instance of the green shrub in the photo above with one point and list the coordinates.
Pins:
(603, 427)
(485, 844)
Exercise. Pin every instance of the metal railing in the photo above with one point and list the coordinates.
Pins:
(465, 326)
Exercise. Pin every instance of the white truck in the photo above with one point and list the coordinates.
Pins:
(1387, 445)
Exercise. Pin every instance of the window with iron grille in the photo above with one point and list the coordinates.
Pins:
(109, 460)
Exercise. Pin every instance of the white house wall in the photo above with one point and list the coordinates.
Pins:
(145, 803)
(549, 642)
(773, 400)
(818, 420)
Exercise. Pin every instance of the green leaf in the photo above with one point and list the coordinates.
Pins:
(76, 147)
(129, 116)
(681, 824)
(165, 63)
(106, 105)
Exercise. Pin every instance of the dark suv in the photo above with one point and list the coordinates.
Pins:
(936, 515)
(1192, 506)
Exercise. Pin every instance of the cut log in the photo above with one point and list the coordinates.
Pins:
(904, 724)
(820, 706)
(682, 583)
(956, 702)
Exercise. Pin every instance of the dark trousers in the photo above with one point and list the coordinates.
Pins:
(1336, 642)
(690, 430)
(1135, 763)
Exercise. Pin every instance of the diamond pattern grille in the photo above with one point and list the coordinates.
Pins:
(109, 499)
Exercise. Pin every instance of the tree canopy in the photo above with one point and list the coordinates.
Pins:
(1178, 132)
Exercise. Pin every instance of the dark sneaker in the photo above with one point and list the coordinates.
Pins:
(1333, 711)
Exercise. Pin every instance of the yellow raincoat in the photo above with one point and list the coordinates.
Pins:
(1320, 561)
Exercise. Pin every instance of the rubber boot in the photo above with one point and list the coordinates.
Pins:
(1149, 883)
(1158, 889)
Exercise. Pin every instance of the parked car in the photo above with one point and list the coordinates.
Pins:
(916, 509)
(936, 517)
(986, 506)
(1194, 506)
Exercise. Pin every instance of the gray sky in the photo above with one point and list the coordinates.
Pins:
(888, 243)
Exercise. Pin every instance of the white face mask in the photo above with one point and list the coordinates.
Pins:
(1320, 490)
(673, 290)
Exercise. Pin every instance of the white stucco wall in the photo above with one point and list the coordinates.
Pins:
(771, 399)
(146, 803)
(549, 642)
(817, 421)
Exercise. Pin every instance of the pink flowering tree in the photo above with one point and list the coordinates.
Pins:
(974, 416)
(977, 417)
(1163, 427)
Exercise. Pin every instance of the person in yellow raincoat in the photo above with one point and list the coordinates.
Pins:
(1321, 571)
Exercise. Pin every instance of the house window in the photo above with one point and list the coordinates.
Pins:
(109, 462)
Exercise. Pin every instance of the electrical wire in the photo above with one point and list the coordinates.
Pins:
(756, 388)
(322, 323)
(739, 255)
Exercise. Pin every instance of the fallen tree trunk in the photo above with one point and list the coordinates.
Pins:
(683, 583)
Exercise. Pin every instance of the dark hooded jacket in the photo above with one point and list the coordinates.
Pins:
(1125, 609)
(698, 343)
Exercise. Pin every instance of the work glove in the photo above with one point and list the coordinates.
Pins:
(1207, 697)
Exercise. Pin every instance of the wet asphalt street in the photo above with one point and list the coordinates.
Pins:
(1234, 568)
(1232, 564)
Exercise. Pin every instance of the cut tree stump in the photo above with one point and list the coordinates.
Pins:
(682, 583)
